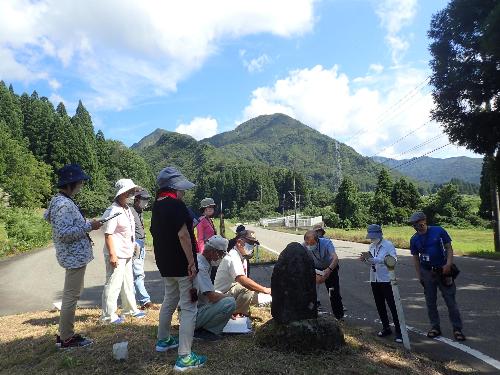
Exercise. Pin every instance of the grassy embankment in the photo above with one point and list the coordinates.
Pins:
(27, 346)
(466, 241)
(263, 254)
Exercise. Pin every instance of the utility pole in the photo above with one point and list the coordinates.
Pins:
(222, 227)
(261, 194)
(294, 194)
(495, 206)
(284, 205)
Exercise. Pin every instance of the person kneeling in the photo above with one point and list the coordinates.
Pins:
(214, 308)
(232, 275)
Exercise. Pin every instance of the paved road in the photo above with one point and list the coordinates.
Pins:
(478, 294)
(33, 281)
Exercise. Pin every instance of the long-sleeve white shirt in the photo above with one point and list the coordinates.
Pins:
(379, 272)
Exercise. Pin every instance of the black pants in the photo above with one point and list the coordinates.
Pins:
(382, 293)
(332, 282)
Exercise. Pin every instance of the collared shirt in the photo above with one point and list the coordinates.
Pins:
(122, 228)
(430, 246)
(322, 255)
(69, 232)
(378, 271)
(231, 266)
(202, 281)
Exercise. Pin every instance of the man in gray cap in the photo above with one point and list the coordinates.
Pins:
(214, 308)
(175, 253)
(232, 274)
(141, 294)
(433, 258)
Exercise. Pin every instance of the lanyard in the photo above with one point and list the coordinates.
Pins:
(130, 223)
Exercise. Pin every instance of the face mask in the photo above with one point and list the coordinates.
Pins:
(248, 249)
(375, 241)
(311, 247)
(129, 200)
(180, 194)
(215, 263)
(142, 204)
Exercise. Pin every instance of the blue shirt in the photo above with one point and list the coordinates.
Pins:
(322, 256)
(430, 246)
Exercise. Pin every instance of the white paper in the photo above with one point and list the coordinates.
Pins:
(57, 305)
(120, 351)
(264, 299)
(319, 272)
(238, 325)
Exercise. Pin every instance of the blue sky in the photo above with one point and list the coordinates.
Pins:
(198, 67)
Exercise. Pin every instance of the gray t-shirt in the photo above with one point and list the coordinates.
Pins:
(139, 224)
(202, 281)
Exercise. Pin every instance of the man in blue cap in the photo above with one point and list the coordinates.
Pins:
(433, 258)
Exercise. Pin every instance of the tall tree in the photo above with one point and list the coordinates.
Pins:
(382, 209)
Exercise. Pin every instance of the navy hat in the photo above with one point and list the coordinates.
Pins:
(142, 194)
(416, 217)
(374, 231)
(171, 178)
(71, 173)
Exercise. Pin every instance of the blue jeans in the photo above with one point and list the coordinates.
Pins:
(141, 294)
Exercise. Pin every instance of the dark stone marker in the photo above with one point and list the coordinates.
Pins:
(293, 285)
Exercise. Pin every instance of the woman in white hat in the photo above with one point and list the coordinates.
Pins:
(205, 228)
(380, 280)
(119, 240)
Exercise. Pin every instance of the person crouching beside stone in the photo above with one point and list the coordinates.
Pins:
(380, 280)
(326, 262)
(214, 308)
(232, 275)
(70, 233)
(119, 244)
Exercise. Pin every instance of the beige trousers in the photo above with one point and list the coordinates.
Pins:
(119, 282)
(177, 293)
(73, 286)
(244, 298)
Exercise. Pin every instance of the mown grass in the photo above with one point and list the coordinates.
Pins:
(466, 241)
(27, 346)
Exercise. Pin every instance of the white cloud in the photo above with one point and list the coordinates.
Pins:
(199, 128)
(368, 115)
(394, 16)
(137, 48)
(256, 64)
(54, 84)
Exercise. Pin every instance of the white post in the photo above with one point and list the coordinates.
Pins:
(390, 262)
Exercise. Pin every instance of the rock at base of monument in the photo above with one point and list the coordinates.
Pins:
(302, 336)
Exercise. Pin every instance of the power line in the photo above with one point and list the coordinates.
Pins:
(426, 142)
(415, 159)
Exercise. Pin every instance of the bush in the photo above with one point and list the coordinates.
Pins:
(22, 230)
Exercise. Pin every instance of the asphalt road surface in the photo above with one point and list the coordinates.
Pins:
(33, 281)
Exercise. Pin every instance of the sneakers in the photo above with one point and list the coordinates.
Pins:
(384, 332)
(203, 334)
(398, 338)
(138, 315)
(119, 320)
(163, 345)
(76, 341)
(189, 361)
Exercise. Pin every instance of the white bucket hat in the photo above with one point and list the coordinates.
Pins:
(123, 185)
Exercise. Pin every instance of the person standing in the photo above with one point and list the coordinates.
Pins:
(140, 203)
(326, 262)
(214, 308)
(205, 228)
(380, 280)
(70, 233)
(119, 242)
(175, 253)
(433, 258)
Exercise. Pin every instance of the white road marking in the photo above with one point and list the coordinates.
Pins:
(269, 249)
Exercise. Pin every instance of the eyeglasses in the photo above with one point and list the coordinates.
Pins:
(419, 225)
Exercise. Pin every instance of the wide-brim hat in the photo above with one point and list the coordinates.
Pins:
(207, 202)
(218, 243)
(171, 178)
(142, 194)
(71, 173)
(319, 227)
(374, 231)
(123, 185)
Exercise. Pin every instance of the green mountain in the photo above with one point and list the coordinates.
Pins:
(438, 171)
(266, 141)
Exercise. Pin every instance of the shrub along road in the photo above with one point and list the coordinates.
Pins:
(33, 281)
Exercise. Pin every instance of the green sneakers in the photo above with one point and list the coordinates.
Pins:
(164, 344)
(189, 361)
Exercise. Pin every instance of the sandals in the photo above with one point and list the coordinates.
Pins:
(433, 333)
(459, 336)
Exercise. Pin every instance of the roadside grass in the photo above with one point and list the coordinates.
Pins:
(27, 346)
(466, 241)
